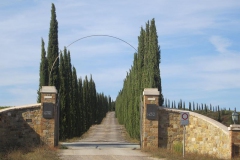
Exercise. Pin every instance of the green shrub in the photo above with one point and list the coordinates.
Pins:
(178, 147)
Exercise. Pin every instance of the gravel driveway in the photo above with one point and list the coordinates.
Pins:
(103, 142)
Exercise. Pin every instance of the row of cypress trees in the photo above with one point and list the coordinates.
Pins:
(144, 73)
(80, 104)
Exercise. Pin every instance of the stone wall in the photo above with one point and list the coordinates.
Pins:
(20, 126)
(32, 124)
(203, 135)
(169, 129)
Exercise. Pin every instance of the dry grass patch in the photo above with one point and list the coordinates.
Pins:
(126, 136)
(172, 155)
(36, 153)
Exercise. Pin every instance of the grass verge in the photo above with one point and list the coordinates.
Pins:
(172, 155)
(36, 153)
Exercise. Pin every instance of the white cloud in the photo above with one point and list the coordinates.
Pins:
(207, 72)
(221, 44)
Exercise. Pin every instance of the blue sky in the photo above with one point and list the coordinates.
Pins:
(200, 51)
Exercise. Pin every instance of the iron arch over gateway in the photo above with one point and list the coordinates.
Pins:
(90, 37)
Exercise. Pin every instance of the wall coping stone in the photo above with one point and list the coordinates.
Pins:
(151, 92)
(48, 89)
(205, 118)
(234, 127)
(21, 107)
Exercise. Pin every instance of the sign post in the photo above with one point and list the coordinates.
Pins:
(184, 121)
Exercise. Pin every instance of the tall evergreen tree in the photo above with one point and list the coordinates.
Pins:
(155, 60)
(86, 102)
(81, 107)
(52, 52)
(75, 104)
(43, 71)
(189, 107)
(93, 100)
(144, 73)
(64, 111)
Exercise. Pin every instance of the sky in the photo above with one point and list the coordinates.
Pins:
(199, 42)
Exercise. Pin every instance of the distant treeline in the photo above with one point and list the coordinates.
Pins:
(2, 107)
(201, 108)
(191, 106)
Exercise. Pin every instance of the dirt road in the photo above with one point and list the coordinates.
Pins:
(103, 142)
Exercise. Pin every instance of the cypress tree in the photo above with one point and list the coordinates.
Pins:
(165, 102)
(75, 104)
(219, 115)
(190, 108)
(43, 71)
(92, 100)
(81, 108)
(86, 102)
(68, 91)
(63, 103)
(52, 52)
(140, 56)
(155, 60)
(146, 76)
(110, 108)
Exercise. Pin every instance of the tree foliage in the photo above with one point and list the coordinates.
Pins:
(144, 73)
(80, 104)
(43, 71)
(52, 52)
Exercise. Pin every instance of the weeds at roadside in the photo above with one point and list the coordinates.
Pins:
(173, 155)
(126, 136)
(62, 147)
(36, 153)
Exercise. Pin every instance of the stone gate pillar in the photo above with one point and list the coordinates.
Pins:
(234, 133)
(49, 135)
(150, 118)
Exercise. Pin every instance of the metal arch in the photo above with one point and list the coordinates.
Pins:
(102, 36)
(84, 38)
